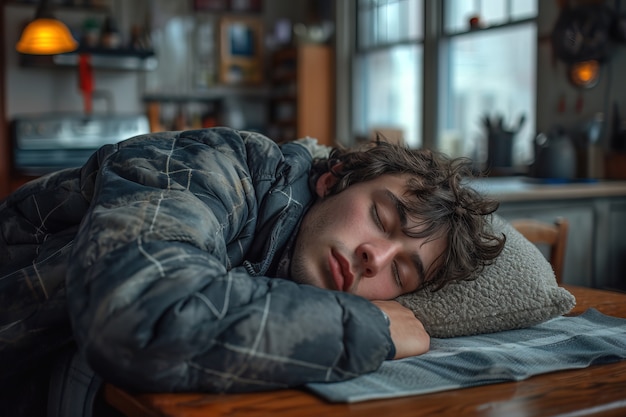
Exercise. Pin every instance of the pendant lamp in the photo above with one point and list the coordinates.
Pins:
(45, 35)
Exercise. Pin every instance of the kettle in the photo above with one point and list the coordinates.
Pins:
(555, 156)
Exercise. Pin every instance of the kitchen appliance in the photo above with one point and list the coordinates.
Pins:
(47, 142)
(555, 156)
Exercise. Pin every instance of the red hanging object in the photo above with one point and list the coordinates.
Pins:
(85, 81)
(561, 105)
(580, 103)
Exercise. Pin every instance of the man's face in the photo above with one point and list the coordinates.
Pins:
(354, 242)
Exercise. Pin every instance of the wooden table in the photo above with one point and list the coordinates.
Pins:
(594, 391)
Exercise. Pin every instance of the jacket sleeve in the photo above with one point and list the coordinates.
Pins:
(158, 304)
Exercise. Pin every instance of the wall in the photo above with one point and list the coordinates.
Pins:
(27, 90)
(553, 84)
(33, 90)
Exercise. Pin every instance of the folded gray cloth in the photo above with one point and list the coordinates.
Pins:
(513, 355)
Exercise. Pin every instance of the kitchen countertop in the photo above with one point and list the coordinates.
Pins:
(509, 189)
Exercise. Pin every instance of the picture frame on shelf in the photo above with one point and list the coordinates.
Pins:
(241, 50)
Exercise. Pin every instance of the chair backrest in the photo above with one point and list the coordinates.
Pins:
(553, 235)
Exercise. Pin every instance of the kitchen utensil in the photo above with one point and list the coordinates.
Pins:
(500, 139)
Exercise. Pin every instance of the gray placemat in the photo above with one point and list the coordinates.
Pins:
(514, 355)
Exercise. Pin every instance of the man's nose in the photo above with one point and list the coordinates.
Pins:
(375, 256)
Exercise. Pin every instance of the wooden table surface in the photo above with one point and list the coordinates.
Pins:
(594, 391)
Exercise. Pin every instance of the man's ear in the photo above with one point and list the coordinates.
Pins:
(324, 183)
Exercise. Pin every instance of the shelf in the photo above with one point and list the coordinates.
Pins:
(284, 122)
(62, 8)
(216, 93)
(285, 97)
(117, 59)
(301, 103)
(284, 77)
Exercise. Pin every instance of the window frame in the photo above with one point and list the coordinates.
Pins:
(373, 46)
(434, 39)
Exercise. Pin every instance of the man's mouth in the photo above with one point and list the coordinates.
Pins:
(340, 270)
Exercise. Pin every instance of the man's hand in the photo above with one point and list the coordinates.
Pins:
(407, 332)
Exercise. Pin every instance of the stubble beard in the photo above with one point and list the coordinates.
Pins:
(301, 269)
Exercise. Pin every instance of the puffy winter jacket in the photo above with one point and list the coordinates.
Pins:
(160, 253)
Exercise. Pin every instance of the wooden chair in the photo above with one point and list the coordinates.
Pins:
(553, 235)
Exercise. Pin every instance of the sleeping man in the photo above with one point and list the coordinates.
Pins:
(219, 261)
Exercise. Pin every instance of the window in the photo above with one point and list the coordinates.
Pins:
(488, 69)
(489, 72)
(387, 79)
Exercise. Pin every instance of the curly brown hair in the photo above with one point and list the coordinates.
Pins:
(438, 199)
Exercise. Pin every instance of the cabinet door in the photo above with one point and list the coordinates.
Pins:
(616, 247)
(315, 100)
(578, 268)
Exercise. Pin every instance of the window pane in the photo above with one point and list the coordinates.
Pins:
(490, 12)
(365, 27)
(412, 21)
(394, 19)
(493, 12)
(385, 22)
(523, 9)
(388, 92)
(457, 15)
(486, 76)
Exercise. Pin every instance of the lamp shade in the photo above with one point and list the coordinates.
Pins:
(45, 36)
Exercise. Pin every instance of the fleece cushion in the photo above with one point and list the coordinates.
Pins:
(517, 290)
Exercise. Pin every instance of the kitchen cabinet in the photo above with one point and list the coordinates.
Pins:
(579, 268)
(615, 258)
(301, 100)
(596, 244)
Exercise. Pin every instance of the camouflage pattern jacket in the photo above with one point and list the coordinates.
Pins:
(156, 258)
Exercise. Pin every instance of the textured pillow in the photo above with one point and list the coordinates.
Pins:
(517, 290)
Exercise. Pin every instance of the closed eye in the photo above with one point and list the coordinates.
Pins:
(376, 218)
(394, 264)
(396, 274)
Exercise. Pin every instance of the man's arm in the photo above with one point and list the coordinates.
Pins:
(157, 305)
